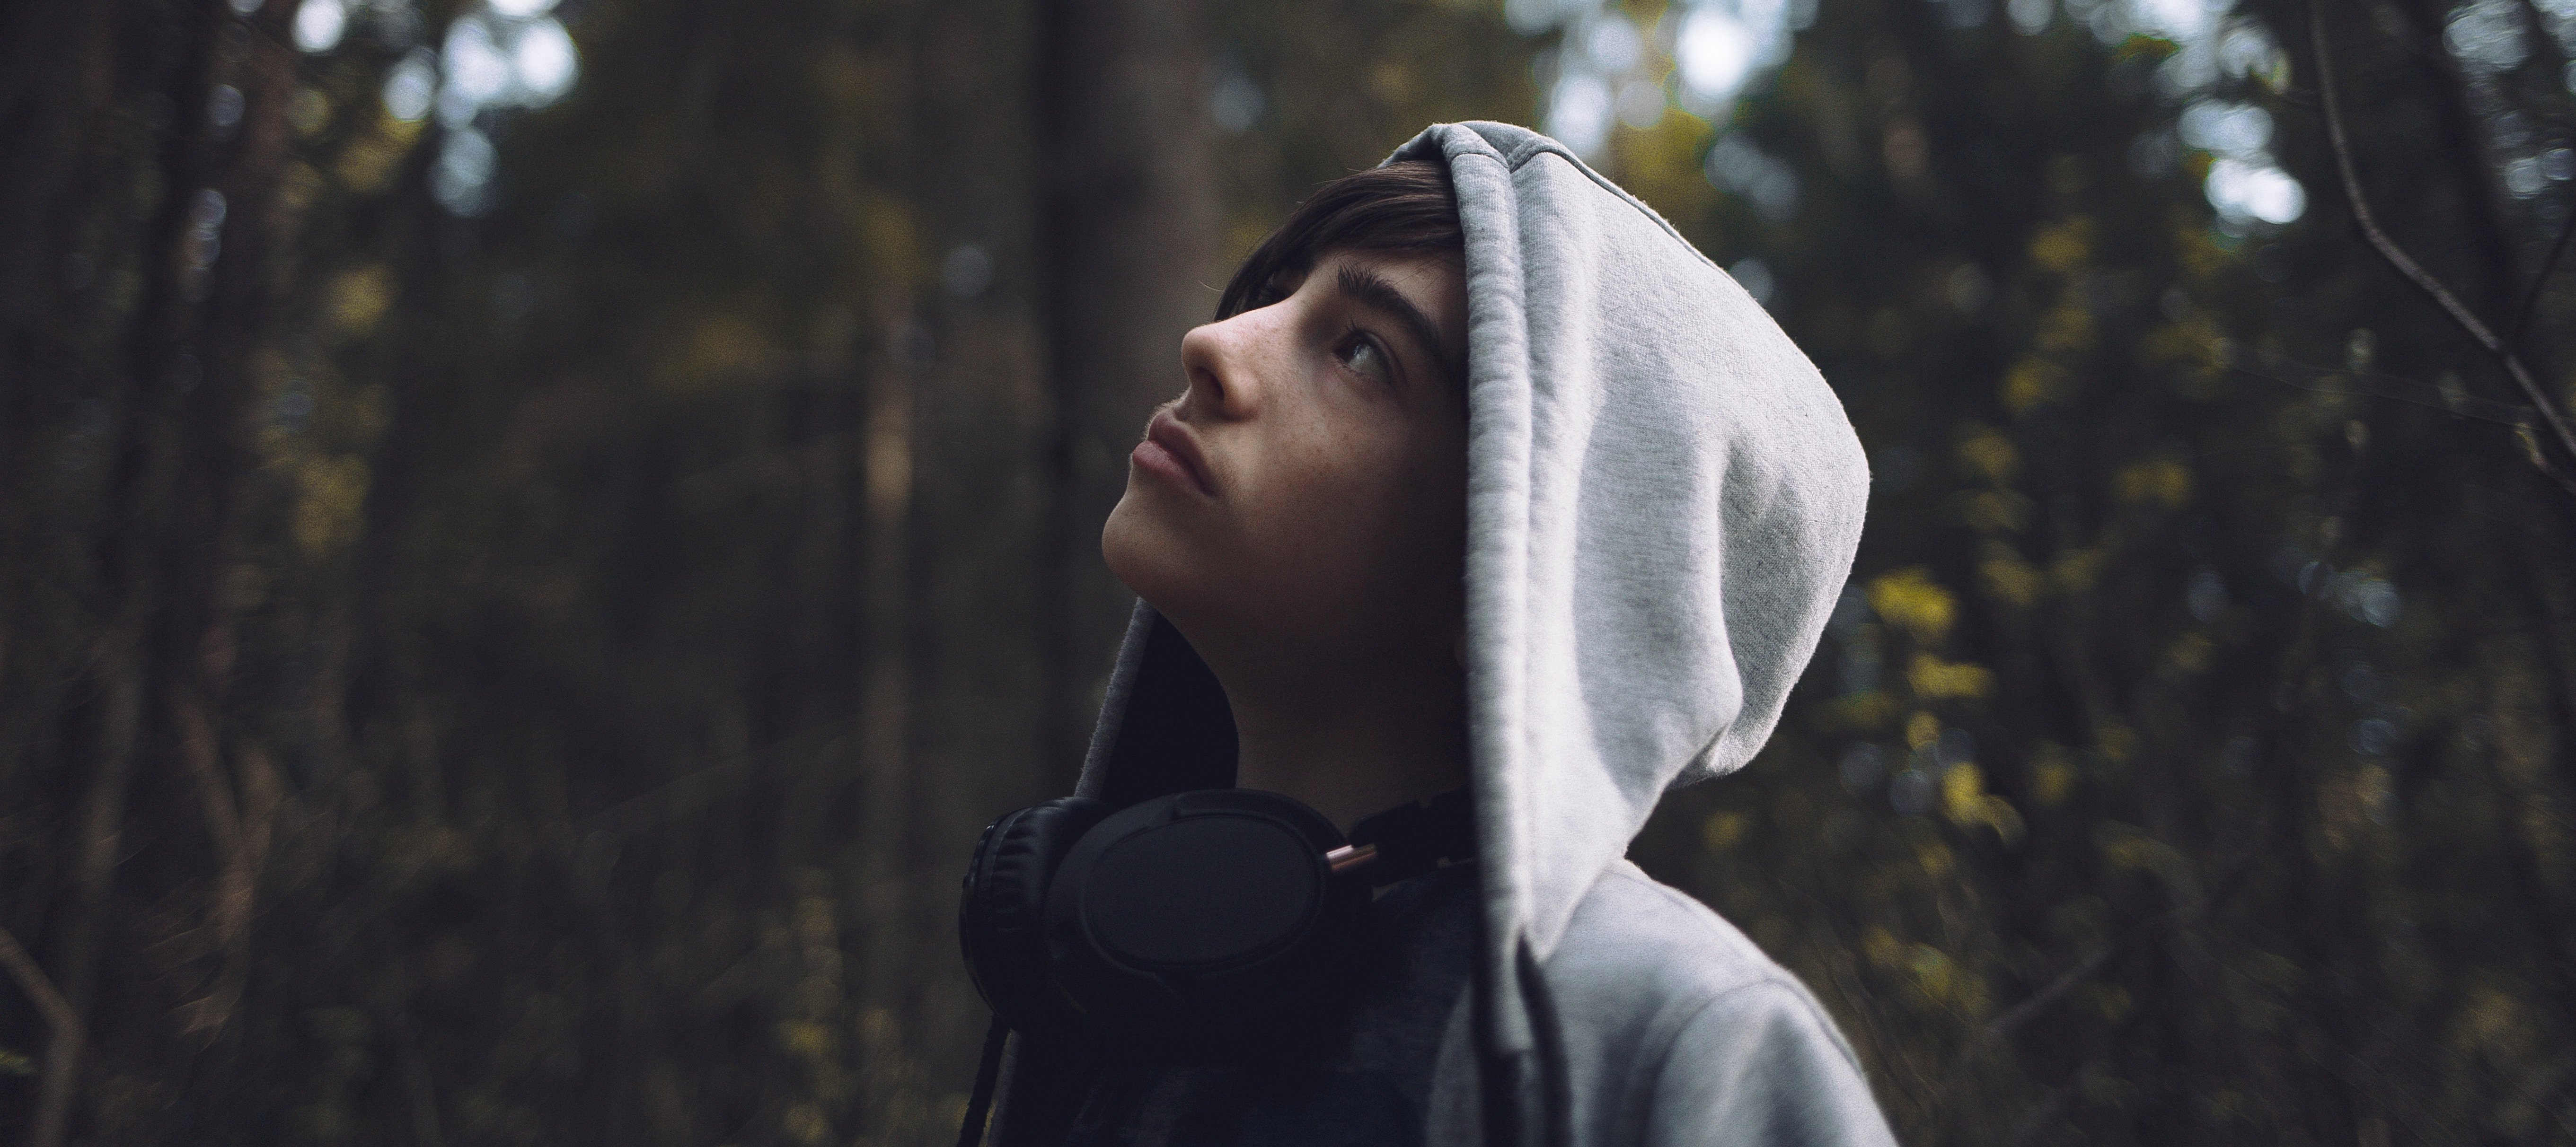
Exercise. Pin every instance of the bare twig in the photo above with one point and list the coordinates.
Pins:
(2066, 981)
(2174, 920)
(2415, 272)
(40, 989)
(2531, 298)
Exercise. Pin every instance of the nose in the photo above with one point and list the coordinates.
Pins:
(1222, 361)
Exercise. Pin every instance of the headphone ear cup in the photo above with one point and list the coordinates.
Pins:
(1199, 916)
(1001, 919)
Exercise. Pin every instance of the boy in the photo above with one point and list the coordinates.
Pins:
(1490, 512)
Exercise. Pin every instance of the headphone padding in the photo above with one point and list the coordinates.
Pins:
(1001, 921)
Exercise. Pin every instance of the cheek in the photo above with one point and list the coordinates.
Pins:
(1361, 522)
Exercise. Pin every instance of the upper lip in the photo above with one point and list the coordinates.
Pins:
(1167, 432)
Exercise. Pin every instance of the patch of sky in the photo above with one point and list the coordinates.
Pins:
(1910, 792)
(2240, 756)
(2206, 595)
(1754, 276)
(319, 24)
(1850, 611)
(1955, 747)
(2370, 599)
(1859, 665)
(1862, 767)
(2558, 17)
(1609, 70)
(1967, 13)
(1738, 166)
(1235, 102)
(966, 271)
(2181, 21)
(412, 86)
(461, 179)
(2245, 185)
(2488, 35)
(224, 108)
(2232, 130)
(497, 56)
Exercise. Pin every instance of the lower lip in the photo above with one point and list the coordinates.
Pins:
(1151, 457)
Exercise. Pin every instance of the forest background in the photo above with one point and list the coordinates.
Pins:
(533, 535)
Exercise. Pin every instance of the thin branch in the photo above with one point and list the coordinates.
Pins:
(2174, 920)
(40, 988)
(2066, 981)
(2531, 298)
(2407, 266)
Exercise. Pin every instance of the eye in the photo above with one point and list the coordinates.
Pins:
(1360, 353)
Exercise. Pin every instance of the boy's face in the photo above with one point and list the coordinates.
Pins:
(1304, 498)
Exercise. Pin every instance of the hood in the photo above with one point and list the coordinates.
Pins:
(1663, 501)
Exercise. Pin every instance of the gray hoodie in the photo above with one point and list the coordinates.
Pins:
(1663, 502)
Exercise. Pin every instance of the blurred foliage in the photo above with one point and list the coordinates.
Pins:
(2189, 760)
(531, 674)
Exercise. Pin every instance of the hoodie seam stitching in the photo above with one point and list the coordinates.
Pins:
(1663, 1058)
(1534, 149)
(1641, 1108)
(1771, 974)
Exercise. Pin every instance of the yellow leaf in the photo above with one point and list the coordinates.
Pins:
(1995, 511)
(1862, 712)
(2033, 381)
(1881, 947)
(1962, 790)
(1998, 814)
(1722, 830)
(1936, 680)
(2063, 247)
(1933, 972)
(2052, 777)
(358, 297)
(2155, 480)
(1909, 599)
(331, 498)
(2191, 653)
(2007, 578)
(1987, 454)
(2067, 329)
(2117, 740)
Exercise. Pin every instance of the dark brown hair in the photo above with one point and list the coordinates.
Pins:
(1403, 206)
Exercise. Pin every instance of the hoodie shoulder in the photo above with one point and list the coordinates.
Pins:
(1691, 1034)
(1632, 935)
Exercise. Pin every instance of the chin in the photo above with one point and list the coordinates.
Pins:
(1148, 554)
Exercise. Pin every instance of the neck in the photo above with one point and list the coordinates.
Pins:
(1370, 742)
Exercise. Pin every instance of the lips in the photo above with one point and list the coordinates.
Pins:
(1170, 448)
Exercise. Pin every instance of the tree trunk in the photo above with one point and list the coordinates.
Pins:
(1130, 230)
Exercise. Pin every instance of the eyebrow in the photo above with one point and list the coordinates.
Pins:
(1372, 290)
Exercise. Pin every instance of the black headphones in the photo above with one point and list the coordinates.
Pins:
(1186, 917)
